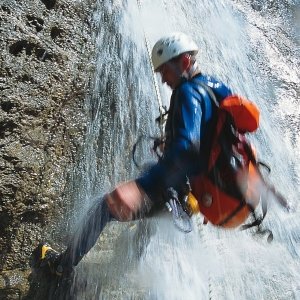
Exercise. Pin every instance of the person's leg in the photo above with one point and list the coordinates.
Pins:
(87, 234)
(82, 241)
(126, 202)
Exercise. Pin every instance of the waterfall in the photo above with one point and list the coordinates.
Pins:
(253, 47)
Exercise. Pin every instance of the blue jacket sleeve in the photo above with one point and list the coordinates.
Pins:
(180, 157)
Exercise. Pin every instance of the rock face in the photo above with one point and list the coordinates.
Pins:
(46, 47)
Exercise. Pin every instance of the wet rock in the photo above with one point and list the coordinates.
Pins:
(45, 50)
(35, 22)
(49, 3)
(13, 284)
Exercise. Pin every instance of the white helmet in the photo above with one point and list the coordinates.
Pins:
(171, 46)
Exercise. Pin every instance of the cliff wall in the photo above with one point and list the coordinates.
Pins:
(46, 52)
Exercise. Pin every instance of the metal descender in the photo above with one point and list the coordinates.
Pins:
(181, 218)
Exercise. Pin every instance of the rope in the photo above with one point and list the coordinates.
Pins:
(202, 234)
(158, 97)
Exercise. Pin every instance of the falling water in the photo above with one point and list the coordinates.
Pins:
(253, 46)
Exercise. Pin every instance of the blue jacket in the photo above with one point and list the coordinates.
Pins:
(189, 131)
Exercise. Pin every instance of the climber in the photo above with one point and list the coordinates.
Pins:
(189, 133)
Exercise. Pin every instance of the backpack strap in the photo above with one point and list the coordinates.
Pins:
(209, 91)
(219, 124)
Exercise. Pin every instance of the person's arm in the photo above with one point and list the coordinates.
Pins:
(129, 199)
(181, 158)
(126, 201)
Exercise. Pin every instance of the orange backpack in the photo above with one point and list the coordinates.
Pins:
(229, 191)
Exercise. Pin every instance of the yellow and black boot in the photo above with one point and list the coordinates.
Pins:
(45, 257)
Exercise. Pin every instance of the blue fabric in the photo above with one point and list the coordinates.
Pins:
(189, 130)
(87, 234)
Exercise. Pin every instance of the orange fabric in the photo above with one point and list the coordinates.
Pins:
(217, 206)
(244, 112)
(216, 149)
(226, 211)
